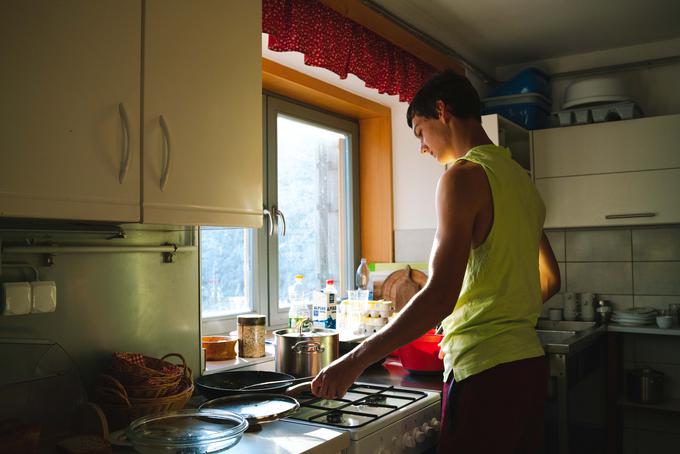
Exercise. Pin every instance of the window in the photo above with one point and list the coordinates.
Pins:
(310, 169)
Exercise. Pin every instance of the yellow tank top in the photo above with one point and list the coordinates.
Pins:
(500, 299)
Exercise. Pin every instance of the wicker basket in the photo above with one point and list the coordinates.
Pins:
(121, 409)
(134, 369)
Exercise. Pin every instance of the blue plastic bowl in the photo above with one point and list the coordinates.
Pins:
(530, 80)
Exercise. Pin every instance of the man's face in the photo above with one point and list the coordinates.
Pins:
(431, 133)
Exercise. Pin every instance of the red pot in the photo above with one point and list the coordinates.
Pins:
(422, 355)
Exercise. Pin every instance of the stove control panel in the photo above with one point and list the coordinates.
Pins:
(415, 433)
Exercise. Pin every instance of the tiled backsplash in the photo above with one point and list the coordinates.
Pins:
(631, 267)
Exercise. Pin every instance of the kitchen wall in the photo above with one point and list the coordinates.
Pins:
(112, 302)
(631, 267)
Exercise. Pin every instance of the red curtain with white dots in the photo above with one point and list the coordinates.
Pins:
(330, 40)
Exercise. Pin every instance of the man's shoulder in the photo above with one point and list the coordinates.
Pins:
(463, 174)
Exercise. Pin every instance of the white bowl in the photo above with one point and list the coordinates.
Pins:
(594, 91)
(664, 321)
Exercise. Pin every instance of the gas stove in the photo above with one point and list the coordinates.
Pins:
(379, 419)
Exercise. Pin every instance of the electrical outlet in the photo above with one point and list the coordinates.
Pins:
(16, 298)
(44, 296)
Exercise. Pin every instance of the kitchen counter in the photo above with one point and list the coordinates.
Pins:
(282, 437)
(645, 329)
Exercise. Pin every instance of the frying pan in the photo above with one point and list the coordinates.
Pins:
(230, 383)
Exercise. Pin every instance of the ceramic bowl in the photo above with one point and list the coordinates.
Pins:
(664, 321)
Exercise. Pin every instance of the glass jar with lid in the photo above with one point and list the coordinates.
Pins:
(251, 334)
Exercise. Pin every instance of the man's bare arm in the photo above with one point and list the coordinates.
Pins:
(456, 212)
(548, 270)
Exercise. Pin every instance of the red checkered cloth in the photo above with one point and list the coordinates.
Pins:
(137, 359)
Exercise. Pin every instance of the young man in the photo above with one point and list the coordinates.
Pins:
(491, 267)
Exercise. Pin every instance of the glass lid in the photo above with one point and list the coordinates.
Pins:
(258, 407)
(186, 428)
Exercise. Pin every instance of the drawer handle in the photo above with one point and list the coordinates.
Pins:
(630, 215)
(125, 158)
(166, 153)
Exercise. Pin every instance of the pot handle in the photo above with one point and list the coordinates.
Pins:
(308, 347)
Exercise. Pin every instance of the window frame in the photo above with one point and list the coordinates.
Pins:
(274, 105)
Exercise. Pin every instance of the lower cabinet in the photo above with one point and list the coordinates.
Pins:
(628, 198)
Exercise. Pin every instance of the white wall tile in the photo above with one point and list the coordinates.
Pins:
(556, 239)
(600, 277)
(656, 243)
(657, 278)
(598, 245)
(657, 302)
(413, 245)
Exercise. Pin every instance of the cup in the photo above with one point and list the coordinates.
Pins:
(555, 314)
(570, 303)
(587, 299)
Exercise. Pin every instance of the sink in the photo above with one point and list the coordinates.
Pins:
(566, 337)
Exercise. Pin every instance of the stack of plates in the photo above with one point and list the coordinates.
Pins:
(635, 316)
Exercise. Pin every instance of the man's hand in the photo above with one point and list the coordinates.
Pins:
(335, 379)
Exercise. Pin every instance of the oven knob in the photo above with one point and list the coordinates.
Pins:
(427, 430)
(434, 423)
(407, 441)
(418, 435)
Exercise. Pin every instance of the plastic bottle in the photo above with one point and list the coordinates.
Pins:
(324, 312)
(298, 306)
(362, 276)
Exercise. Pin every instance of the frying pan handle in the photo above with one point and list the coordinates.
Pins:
(298, 389)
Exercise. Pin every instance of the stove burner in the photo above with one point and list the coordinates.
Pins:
(334, 417)
(375, 399)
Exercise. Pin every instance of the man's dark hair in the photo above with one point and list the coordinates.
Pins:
(458, 94)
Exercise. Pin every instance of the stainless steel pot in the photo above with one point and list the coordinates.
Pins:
(644, 385)
(305, 351)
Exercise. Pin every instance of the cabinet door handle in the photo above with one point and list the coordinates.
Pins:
(271, 221)
(165, 165)
(629, 215)
(278, 213)
(125, 157)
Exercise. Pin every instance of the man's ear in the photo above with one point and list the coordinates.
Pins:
(442, 111)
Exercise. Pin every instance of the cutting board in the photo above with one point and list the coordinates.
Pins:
(401, 285)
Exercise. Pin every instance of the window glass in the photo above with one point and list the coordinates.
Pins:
(310, 161)
(226, 271)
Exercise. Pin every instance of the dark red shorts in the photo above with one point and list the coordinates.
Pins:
(499, 410)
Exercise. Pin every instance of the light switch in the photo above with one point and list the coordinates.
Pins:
(16, 298)
(44, 295)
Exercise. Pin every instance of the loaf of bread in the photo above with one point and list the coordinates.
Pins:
(84, 444)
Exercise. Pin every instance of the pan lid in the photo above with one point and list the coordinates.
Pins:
(314, 332)
(259, 408)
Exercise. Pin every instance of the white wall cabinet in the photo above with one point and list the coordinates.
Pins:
(72, 97)
(202, 113)
(619, 173)
(70, 107)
